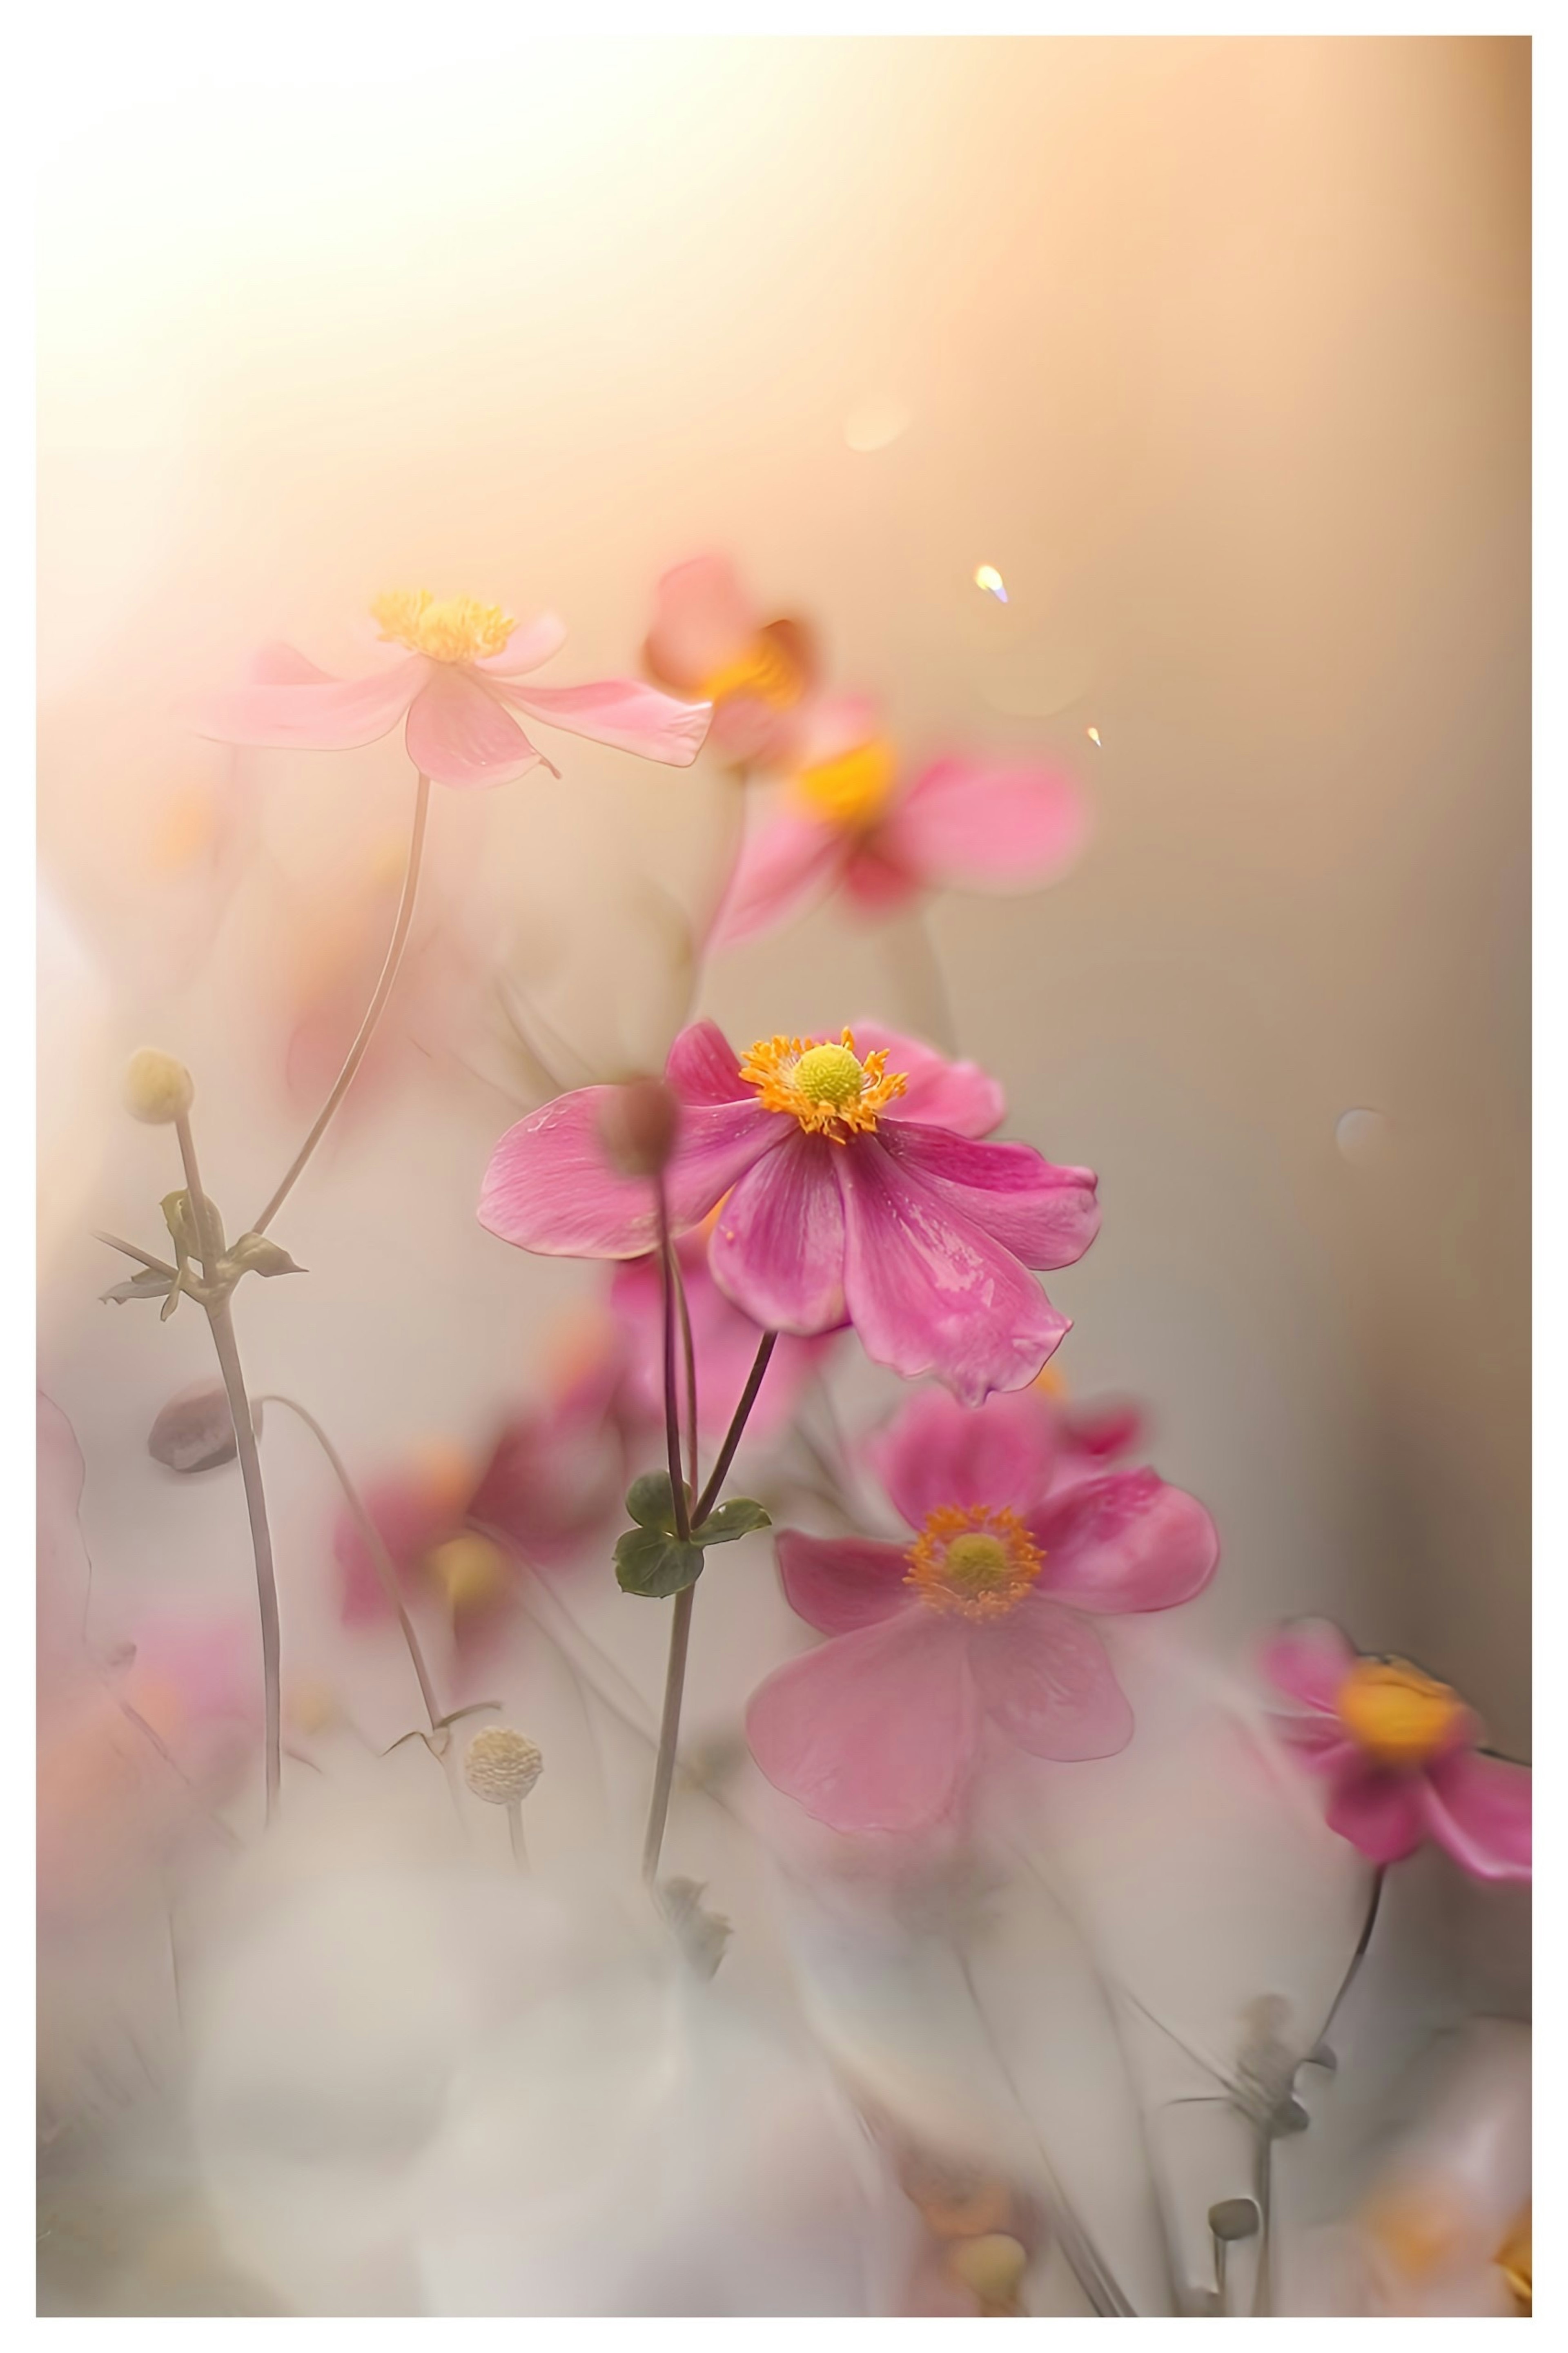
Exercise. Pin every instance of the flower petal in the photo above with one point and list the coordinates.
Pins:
(930, 1292)
(703, 1067)
(411, 1516)
(1309, 1660)
(622, 713)
(777, 1250)
(782, 865)
(702, 622)
(1125, 1541)
(1043, 1677)
(318, 714)
(1380, 1812)
(724, 1342)
(840, 1583)
(990, 825)
(876, 1730)
(460, 735)
(530, 644)
(937, 1451)
(939, 1093)
(1046, 1215)
(549, 1188)
(1479, 1808)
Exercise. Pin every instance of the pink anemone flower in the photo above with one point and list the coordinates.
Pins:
(709, 639)
(980, 1620)
(1399, 1753)
(724, 1344)
(457, 687)
(974, 823)
(853, 1192)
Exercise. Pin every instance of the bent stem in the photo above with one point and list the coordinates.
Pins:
(356, 1052)
(1363, 1941)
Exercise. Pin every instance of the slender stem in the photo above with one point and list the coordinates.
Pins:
(669, 1730)
(688, 1353)
(132, 1250)
(671, 1407)
(1363, 1941)
(738, 1422)
(915, 969)
(356, 1052)
(514, 1825)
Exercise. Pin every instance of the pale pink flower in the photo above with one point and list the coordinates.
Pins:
(709, 641)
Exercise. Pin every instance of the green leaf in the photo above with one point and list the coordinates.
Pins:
(731, 1521)
(650, 1500)
(256, 1254)
(652, 1562)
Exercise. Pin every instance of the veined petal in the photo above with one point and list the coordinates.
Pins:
(549, 1188)
(460, 735)
(777, 1248)
(1125, 1541)
(622, 713)
(936, 1452)
(782, 865)
(315, 714)
(704, 1068)
(1043, 1675)
(1380, 1812)
(988, 825)
(939, 1094)
(1479, 1808)
(876, 1730)
(929, 1290)
(1046, 1215)
(1309, 1660)
(530, 644)
(838, 1584)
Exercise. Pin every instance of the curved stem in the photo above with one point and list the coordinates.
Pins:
(738, 1422)
(356, 1052)
(1363, 1941)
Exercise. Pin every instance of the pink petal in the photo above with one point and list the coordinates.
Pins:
(876, 877)
(937, 1451)
(928, 1290)
(622, 713)
(411, 1516)
(1380, 1812)
(703, 1067)
(1479, 1808)
(1320, 1741)
(460, 735)
(703, 620)
(550, 1480)
(990, 825)
(833, 724)
(326, 714)
(530, 644)
(838, 1584)
(549, 1188)
(1309, 1660)
(1043, 1677)
(1099, 1431)
(1046, 1215)
(939, 1094)
(777, 1250)
(724, 1342)
(1125, 1541)
(782, 865)
(876, 1730)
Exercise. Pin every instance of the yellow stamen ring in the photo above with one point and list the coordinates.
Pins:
(764, 670)
(853, 790)
(1396, 1713)
(827, 1087)
(975, 1562)
(444, 628)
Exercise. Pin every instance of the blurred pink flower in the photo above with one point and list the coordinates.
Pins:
(1399, 1754)
(852, 1192)
(980, 1619)
(456, 687)
(978, 822)
(708, 639)
(724, 1344)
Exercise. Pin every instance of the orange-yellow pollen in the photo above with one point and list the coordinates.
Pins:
(977, 1563)
(853, 790)
(443, 628)
(1396, 1713)
(827, 1086)
(764, 670)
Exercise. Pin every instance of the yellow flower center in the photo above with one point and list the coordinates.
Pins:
(853, 790)
(443, 628)
(468, 1569)
(764, 670)
(827, 1087)
(976, 1562)
(1396, 1713)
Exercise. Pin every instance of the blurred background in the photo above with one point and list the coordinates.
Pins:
(1217, 351)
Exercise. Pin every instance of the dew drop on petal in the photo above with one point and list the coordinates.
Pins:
(987, 576)
(1093, 734)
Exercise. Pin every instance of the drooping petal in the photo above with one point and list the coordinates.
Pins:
(930, 1292)
(988, 825)
(1043, 1675)
(1479, 1808)
(1125, 1541)
(315, 714)
(876, 1730)
(838, 1584)
(782, 865)
(1309, 1660)
(1046, 1215)
(777, 1248)
(548, 1187)
(703, 621)
(530, 644)
(936, 1452)
(939, 1093)
(460, 735)
(1380, 1812)
(704, 1068)
(622, 713)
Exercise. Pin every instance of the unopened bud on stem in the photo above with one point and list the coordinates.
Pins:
(158, 1089)
(639, 1125)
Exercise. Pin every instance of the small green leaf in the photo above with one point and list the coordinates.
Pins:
(731, 1521)
(256, 1254)
(652, 1562)
(650, 1500)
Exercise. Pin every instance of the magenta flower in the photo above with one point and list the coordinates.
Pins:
(979, 1622)
(457, 687)
(709, 639)
(1399, 1754)
(724, 1345)
(972, 823)
(852, 1192)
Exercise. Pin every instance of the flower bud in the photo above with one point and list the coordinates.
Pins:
(195, 1431)
(158, 1089)
(502, 1765)
(638, 1126)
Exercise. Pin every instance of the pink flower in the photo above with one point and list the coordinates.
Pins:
(724, 1344)
(979, 1621)
(457, 687)
(977, 824)
(1400, 1757)
(852, 1192)
(708, 639)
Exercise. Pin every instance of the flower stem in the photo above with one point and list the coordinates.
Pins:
(666, 1272)
(915, 969)
(738, 1422)
(1363, 1941)
(514, 1826)
(356, 1052)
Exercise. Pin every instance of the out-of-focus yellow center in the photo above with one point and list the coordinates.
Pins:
(469, 1570)
(186, 831)
(827, 1087)
(443, 628)
(853, 790)
(975, 1562)
(1415, 2228)
(764, 670)
(1513, 2260)
(1396, 1713)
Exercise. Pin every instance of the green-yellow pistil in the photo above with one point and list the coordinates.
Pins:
(829, 1074)
(979, 1564)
